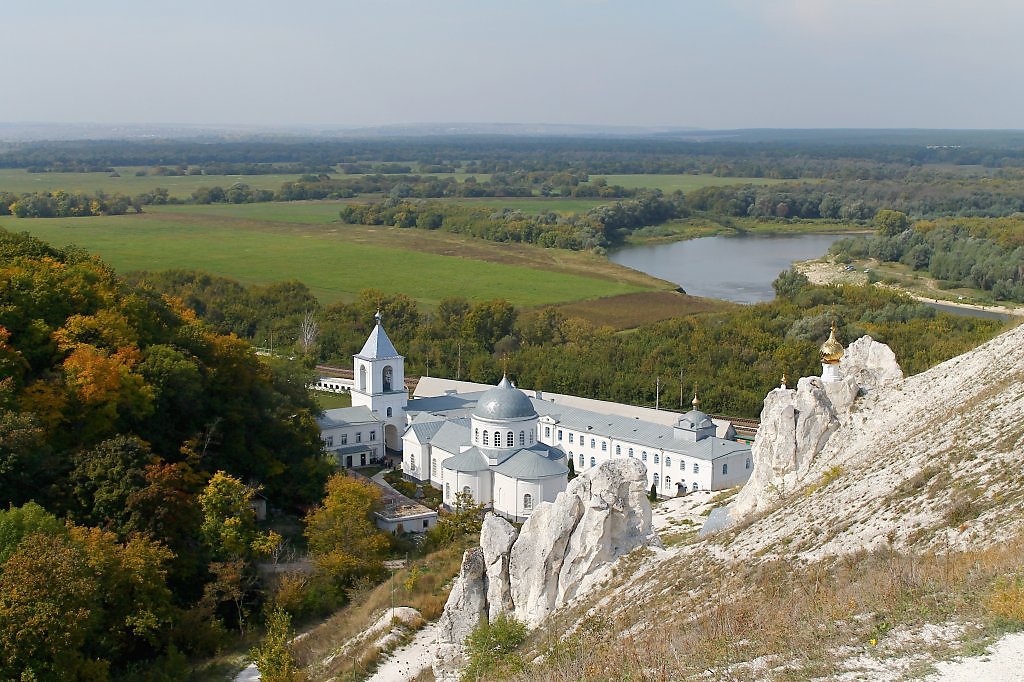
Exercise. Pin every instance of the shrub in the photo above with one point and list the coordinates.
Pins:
(491, 648)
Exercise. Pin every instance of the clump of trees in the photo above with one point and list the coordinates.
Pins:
(131, 438)
(599, 227)
(979, 254)
(62, 204)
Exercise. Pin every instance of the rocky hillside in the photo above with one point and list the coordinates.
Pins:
(893, 538)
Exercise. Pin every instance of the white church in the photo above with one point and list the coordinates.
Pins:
(510, 449)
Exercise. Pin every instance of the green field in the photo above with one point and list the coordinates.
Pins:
(19, 181)
(297, 212)
(685, 183)
(337, 261)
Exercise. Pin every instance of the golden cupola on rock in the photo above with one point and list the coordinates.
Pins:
(831, 351)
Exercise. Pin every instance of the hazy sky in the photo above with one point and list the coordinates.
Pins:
(704, 63)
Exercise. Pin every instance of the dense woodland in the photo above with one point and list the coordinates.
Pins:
(734, 357)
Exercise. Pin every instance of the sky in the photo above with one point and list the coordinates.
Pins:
(716, 64)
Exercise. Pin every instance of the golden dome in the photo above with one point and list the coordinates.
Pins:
(832, 351)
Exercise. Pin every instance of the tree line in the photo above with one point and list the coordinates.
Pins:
(973, 253)
(735, 357)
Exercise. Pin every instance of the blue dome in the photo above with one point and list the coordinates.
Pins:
(504, 401)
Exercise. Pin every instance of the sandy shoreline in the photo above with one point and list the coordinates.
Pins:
(822, 272)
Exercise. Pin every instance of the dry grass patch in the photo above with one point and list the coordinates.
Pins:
(629, 311)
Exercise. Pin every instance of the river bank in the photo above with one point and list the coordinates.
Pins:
(826, 272)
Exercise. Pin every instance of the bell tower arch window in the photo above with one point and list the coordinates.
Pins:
(387, 375)
(362, 377)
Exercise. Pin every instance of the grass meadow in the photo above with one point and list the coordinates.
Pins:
(18, 180)
(334, 260)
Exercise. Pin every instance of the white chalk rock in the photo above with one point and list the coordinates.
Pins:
(496, 538)
(871, 364)
(796, 424)
(465, 609)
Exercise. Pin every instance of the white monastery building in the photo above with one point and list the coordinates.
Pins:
(511, 449)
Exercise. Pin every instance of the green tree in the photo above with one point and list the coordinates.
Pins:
(272, 657)
(229, 523)
(343, 538)
(891, 223)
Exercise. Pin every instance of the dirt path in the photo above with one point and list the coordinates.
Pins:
(406, 663)
(1003, 663)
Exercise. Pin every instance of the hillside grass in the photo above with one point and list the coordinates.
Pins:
(334, 260)
(782, 620)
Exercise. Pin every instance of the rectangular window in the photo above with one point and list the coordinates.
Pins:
(329, 441)
(344, 439)
(559, 434)
(373, 435)
(725, 468)
(547, 432)
(570, 437)
(359, 436)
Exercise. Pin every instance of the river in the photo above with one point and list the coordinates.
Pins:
(739, 269)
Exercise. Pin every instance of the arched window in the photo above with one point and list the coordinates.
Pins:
(468, 493)
(547, 432)
(509, 440)
(476, 435)
(447, 491)
(531, 437)
(668, 461)
(593, 443)
(725, 468)
(604, 446)
(630, 453)
(527, 501)
(570, 437)
(695, 485)
(748, 463)
(390, 412)
(682, 464)
(433, 468)
(522, 437)
(593, 461)
(643, 455)
(696, 468)
(655, 480)
(668, 481)
(386, 377)
(487, 440)
(581, 460)
(362, 377)
(656, 458)
(618, 449)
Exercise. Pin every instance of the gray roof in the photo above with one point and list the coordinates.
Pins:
(451, 436)
(468, 461)
(695, 419)
(504, 401)
(378, 346)
(346, 416)
(532, 463)
(425, 430)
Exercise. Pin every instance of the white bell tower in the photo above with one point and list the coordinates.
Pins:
(379, 383)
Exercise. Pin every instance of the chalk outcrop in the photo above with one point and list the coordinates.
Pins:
(559, 553)
(796, 424)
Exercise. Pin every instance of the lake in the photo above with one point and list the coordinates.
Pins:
(739, 269)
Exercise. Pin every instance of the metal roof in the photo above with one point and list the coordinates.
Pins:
(468, 461)
(532, 463)
(378, 346)
(346, 416)
(504, 401)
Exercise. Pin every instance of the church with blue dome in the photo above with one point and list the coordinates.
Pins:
(510, 449)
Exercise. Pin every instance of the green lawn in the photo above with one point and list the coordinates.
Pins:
(329, 401)
(18, 181)
(334, 261)
(297, 212)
